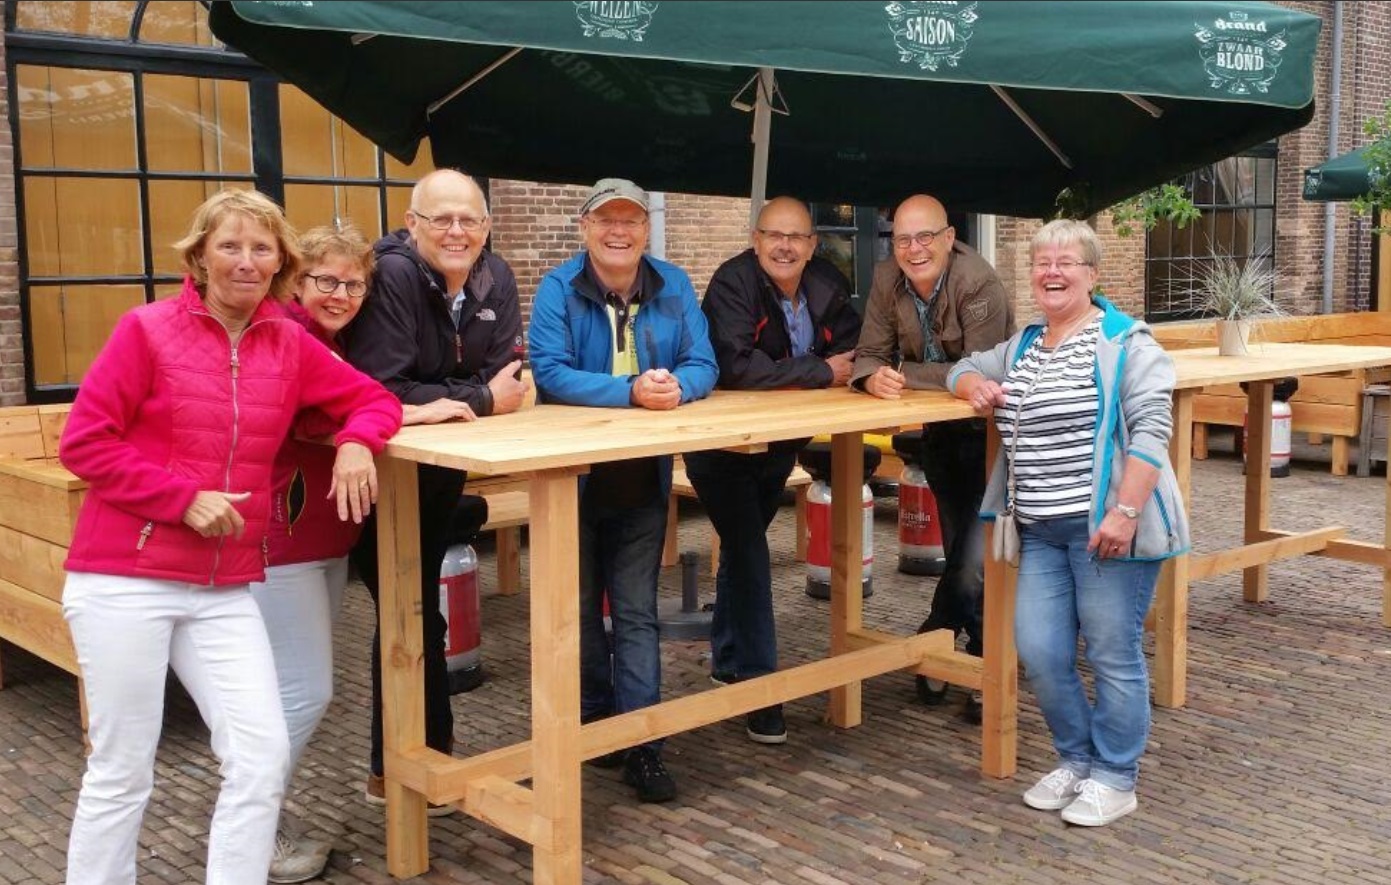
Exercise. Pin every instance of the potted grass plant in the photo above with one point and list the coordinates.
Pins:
(1236, 292)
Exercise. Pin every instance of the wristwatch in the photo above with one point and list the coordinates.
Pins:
(1127, 511)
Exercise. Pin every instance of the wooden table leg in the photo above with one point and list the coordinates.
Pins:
(999, 658)
(1171, 594)
(847, 563)
(1386, 540)
(801, 514)
(1255, 582)
(509, 560)
(403, 660)
(555, 676)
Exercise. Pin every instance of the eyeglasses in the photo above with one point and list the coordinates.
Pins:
(623, 224)
(328, 284)
(467, 223)
(1064, 265)
(778, 236)
(923, 238)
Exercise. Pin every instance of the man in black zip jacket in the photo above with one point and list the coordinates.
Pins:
(779, 317)
(442, 319)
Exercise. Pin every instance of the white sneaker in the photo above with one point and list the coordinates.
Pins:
(1097, 805)
(297, 858)
(1056, 790)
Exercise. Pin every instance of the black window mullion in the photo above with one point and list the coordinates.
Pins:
(267, 154)
(142, 162)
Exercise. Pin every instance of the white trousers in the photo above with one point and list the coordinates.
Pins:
(300, 604)
(128, 633)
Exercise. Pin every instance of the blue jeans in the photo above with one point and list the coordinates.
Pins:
(1063, 589)
(741, 494)
(621, 552)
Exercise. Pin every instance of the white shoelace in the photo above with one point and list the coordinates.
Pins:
(1093, 792)
(284, 845)
(1060, 779)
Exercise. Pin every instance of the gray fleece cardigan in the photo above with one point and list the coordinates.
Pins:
(1135, 383)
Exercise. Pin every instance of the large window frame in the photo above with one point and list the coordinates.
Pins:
(128, 56)
(1237, 201)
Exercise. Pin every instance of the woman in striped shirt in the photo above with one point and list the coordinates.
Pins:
(1082, 401)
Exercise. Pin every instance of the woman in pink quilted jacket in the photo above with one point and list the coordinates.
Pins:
(175, 429)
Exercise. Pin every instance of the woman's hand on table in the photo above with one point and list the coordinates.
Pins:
(214, 514)
(984, 395)
(354, 482)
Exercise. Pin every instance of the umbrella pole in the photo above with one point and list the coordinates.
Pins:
(762, 130)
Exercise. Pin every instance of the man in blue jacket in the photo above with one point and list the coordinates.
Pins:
(613, 327)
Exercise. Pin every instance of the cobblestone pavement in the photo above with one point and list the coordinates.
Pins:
(1276, 771)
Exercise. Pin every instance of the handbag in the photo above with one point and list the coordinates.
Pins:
(1005, 544)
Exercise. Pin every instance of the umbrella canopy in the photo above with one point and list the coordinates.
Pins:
(1345, 177)
(993, 106)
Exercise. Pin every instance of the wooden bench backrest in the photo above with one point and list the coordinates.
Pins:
(32, 432)
(1351, 328)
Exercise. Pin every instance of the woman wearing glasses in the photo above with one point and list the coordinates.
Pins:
(1082, 402)
(307, 545)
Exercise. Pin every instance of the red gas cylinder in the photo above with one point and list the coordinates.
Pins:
(460, 606)
(1281, 438)
(819, 540)
(919, 529)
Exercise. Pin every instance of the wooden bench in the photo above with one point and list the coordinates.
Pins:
(681, 487)
(39, 502)
(1328, 405)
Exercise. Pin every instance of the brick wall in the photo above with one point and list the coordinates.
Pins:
(11, 335)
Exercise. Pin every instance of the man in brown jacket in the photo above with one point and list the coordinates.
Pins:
(934, 303)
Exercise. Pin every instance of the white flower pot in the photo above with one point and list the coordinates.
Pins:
(1233, 337)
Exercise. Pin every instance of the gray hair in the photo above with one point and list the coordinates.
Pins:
(1066, 232)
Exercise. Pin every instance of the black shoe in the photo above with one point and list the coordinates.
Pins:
(608, 760)
(767, 726)
(932, 692)
(972, 711)
(723, 677)
(644, 770)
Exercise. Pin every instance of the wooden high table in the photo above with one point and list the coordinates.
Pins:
(1265, 364)
(553, 445)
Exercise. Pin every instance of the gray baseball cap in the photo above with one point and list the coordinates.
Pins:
(608, 189)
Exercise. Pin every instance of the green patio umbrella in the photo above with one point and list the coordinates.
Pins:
(994, 106)
(1345, 177)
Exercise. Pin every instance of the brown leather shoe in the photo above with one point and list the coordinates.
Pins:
(375, 794)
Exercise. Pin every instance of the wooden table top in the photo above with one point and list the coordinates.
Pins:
(1201, 367)
(550, 436)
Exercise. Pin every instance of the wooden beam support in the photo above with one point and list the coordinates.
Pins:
(1346, 549)
(1261, 553)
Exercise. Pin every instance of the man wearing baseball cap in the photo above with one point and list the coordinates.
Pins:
(615, 328)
